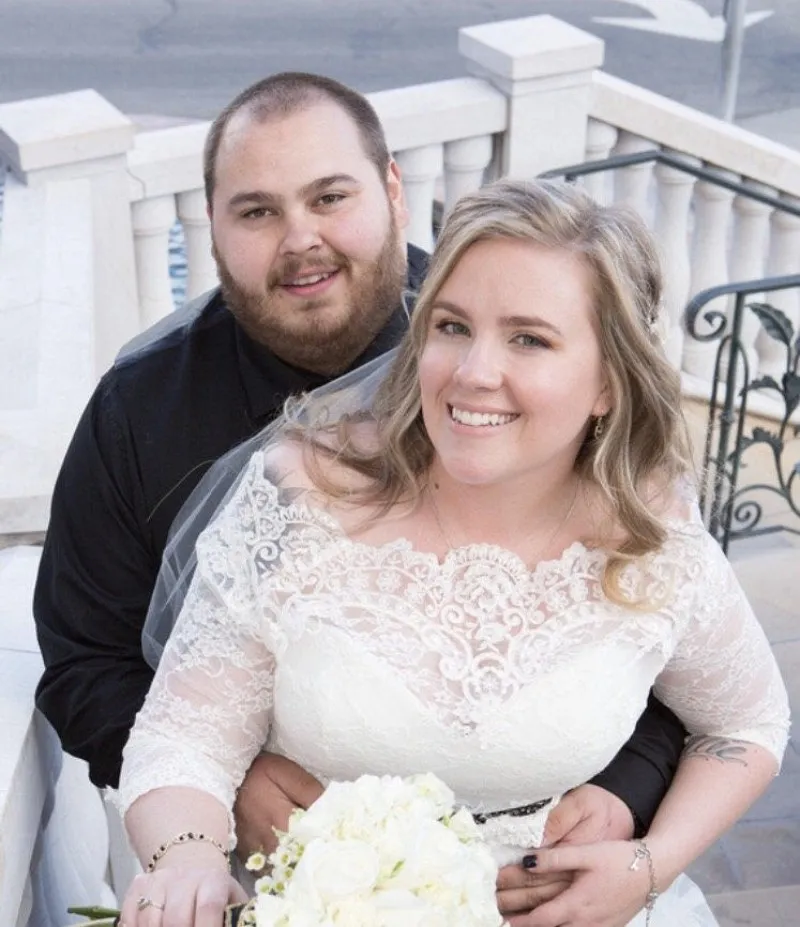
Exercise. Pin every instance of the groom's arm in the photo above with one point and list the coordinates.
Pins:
(642, 771)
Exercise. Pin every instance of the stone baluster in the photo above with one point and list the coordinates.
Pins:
(202, 271)
(465, 163)
(748, 259)
(632, 184)
(709, 267)
(420, 167)
(784, 258)
(600, 139)
(674, 195)
(152, 220)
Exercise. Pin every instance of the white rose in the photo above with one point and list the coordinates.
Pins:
(463, 826)
(399, 908)
(430, 787)
(353, 911)
(324, 817)
(329, 870)
(270, 909)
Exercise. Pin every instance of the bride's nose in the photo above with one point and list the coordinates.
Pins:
(480, 366)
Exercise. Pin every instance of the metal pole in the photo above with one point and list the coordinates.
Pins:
(734, 13)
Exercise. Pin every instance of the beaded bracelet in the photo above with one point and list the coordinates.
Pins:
(186, 837)
(642, 851)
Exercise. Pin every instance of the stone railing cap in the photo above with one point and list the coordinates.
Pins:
(64, 129)
(536, 46)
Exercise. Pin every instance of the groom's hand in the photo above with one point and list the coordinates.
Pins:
(588, 814)
(272, 789)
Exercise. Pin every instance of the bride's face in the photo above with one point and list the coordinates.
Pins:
(511, 373)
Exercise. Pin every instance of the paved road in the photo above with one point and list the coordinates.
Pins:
(189, 57)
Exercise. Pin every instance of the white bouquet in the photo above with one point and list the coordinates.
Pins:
(378, 852)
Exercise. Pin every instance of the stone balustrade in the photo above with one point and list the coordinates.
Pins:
(708, 234)
(90, 207)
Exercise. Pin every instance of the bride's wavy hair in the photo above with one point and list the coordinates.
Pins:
(643, 446)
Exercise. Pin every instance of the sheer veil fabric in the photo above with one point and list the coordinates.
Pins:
(350, 395)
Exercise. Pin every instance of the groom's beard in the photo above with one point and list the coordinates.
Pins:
(317, 334)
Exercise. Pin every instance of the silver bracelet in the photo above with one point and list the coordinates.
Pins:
(642, 852)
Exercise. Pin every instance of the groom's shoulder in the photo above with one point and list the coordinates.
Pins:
(192, 329)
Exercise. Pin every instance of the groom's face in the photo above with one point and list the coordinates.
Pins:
(307, 235)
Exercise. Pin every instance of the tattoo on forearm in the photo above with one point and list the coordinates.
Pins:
(716, 748)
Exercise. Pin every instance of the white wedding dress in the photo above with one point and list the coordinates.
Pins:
(511, 685)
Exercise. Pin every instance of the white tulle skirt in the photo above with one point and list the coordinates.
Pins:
(681, 905)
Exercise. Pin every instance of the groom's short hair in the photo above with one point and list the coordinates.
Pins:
(283, 94)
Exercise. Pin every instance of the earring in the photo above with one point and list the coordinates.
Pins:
(599, 427)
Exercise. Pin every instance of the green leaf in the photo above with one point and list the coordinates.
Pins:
(761, 435)
(791, 391)
(765, 383)
(775, 323)
(94, 911)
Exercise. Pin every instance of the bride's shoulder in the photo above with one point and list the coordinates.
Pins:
(318, 462)
(674, 501)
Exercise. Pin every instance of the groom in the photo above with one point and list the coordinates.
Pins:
(307, 214)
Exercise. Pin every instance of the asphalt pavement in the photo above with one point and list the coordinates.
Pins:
(187, 58)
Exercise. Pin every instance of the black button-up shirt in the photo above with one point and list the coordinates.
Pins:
(171, 405)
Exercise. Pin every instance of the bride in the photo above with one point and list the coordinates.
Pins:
(477, 568)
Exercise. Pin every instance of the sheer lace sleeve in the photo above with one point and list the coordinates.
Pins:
(208, 712)
(722, 679)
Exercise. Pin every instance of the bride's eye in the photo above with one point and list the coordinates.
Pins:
(527, 340)
(451, 327)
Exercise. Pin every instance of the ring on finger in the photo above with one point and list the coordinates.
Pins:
(144, 902)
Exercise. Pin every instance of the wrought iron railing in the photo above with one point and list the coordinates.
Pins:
(729, 510)
(708, 174)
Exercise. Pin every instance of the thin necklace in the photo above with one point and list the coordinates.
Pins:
(539, 552)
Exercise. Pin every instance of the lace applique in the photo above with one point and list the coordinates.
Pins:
(466, 637)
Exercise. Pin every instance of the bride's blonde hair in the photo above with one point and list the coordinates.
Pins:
(643, 444)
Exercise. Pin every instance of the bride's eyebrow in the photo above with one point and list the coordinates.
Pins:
(445, 306)
(529, 321)
(507, 321)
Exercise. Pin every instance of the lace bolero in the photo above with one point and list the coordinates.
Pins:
(511, 684)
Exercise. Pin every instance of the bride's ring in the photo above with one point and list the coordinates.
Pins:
(145, 902)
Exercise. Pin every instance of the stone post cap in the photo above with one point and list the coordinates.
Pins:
(54, 131)
(536, 46)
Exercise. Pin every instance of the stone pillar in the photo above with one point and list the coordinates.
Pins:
(67, 283)
(81, 136)
(544, 67)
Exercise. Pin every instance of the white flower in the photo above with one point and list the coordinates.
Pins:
(334, 869)
(380, 852)
(463, 826)
(404, 909)
(255, 862)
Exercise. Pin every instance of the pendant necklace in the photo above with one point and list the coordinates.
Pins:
(450, 546)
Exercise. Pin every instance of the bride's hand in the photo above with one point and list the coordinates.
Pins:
(520, 890)
(272, 789)
(190, 895)
(605, 891)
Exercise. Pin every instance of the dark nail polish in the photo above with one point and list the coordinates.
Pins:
(529, 862)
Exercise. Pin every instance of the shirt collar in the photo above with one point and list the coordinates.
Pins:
(268, 380)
